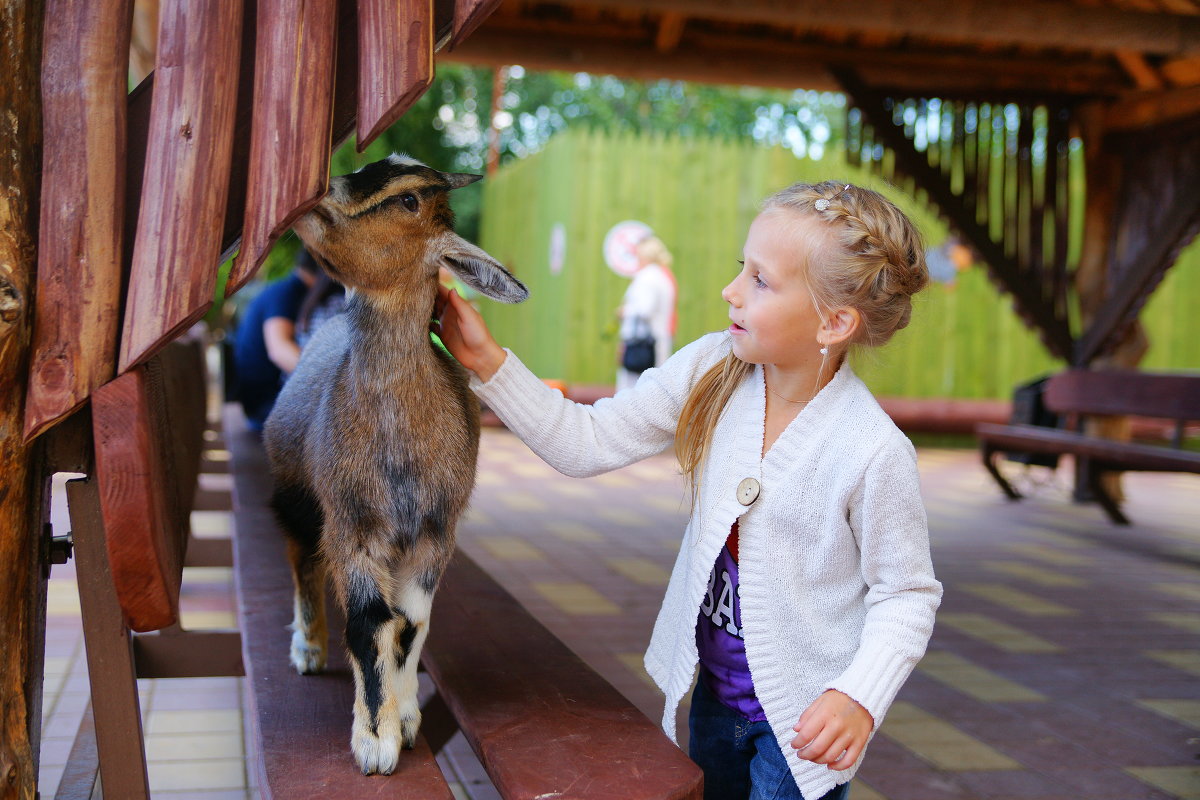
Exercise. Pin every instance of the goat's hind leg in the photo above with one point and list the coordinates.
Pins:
(300, 516)
(310, 631)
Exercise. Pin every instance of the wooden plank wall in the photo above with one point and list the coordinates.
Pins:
(391, 78)
(176, 193)
(76, 321)
(186, 178)
(293, 115)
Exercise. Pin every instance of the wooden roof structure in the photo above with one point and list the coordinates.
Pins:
(1008, 85)
(118, 207)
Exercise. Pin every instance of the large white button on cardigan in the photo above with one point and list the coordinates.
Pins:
(837, 586)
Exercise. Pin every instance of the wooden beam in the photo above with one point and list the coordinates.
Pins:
(1143, 75)
(491, 47)
(22, 594)
(1054, 332)
(1151, 109)
(708, 58)
(670, 31)
(1025, 23)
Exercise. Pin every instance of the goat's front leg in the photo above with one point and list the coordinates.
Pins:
(384, 640)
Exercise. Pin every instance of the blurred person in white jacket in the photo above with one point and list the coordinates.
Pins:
(649, 304)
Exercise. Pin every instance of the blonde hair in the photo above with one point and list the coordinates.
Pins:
(872, 260)
(651, 250)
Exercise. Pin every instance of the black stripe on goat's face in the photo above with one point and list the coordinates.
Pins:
(382, 216)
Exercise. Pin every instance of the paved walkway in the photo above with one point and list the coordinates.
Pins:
(1065, 663)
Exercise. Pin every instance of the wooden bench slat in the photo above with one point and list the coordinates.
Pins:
(186, 180)
(1128, 455)
(293, 114)
(542, 722)
(84, 83)
(539, 719)
(1124, 392)
(395, 51)
(302, 722)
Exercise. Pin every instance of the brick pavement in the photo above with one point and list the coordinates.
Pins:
(1064, 664)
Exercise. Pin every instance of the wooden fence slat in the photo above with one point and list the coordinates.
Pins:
(395, 52)
(84, 67)
(469, 15)
(185, 183)
(290, 137)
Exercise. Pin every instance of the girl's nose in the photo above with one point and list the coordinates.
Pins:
(728, 294)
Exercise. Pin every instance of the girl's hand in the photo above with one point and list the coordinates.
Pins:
(833, 731)
(465, 334)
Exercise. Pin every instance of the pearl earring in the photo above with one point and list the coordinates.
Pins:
(824, 351)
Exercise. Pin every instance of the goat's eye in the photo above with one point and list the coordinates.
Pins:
(409, 201)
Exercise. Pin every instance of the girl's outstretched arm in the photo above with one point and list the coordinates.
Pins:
(577, 440)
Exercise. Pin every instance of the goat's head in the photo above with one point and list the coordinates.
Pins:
(389, 227)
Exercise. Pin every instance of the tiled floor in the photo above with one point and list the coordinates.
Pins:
(1065, 663)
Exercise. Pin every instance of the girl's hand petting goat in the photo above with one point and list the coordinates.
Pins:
(465, 334)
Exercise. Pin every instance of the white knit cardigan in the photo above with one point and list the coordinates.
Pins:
(836, 581)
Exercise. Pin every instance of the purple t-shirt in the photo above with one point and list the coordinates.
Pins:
(724, 668)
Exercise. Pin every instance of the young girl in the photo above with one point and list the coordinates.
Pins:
(803, 587)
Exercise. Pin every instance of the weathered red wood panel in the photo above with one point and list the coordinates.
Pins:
(140, 512)
(84, 64)
(290, 138)
(185, 183)
(395, 66)
(147, 427)
(468, 15)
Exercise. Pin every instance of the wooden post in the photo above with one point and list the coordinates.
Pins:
(22, 591)
(1092, 284)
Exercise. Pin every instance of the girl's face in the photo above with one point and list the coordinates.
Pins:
(774, 318)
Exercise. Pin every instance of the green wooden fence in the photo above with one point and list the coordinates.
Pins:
(700, 196)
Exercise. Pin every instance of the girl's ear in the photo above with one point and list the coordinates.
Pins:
(840, 326)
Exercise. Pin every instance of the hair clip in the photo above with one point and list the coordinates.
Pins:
(821, 204)
(846, 188)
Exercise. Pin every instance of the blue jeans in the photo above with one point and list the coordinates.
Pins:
(741, 759)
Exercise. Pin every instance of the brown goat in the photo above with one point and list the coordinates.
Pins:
(373, 440)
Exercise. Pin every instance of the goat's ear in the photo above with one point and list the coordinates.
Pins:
(480, 271)
(457, 180)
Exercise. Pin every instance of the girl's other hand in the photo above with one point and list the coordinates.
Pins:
(833, 731)
(466, 336)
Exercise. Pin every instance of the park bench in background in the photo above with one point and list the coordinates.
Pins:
(1077, 394)
(542, 722)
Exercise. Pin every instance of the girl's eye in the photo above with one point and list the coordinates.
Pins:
(759, 282)
(409, 201)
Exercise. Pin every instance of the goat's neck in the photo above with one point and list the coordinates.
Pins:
(390, 337)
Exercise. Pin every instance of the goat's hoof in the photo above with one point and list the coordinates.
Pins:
(375, 754)
(307, 658)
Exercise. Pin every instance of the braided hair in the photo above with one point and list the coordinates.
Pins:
(872, 259)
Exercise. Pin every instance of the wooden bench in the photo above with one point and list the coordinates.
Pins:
(1078, 394)
(140, 447)
(541, 722)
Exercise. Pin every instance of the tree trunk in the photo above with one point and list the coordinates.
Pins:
(22, 589)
